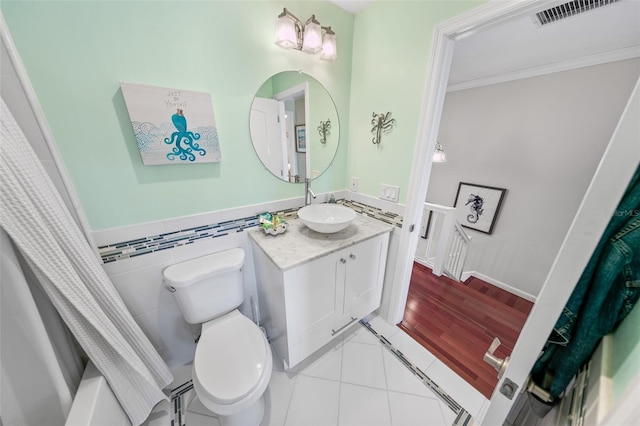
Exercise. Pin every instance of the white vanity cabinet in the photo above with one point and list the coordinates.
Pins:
(307, 305)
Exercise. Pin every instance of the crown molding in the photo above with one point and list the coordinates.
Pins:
(585, 61)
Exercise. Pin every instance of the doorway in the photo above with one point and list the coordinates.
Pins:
(553, 298)
(295, 113)
(538, 208)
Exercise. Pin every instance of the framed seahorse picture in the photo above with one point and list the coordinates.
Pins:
(172, 126)
(477, 206)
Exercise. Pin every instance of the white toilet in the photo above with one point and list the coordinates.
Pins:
(232, 365)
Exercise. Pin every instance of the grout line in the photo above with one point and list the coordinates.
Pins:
(341, 343)
(293, 390)
(463, 418)
(341, 383)
(384, 368)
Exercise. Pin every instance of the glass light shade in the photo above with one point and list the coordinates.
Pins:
(312, 38)
(439, 155)
(329, 47)
(286, 33)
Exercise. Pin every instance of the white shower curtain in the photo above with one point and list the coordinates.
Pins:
(35, 217)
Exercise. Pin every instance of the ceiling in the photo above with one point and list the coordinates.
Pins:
(521, 48)
(352, 6)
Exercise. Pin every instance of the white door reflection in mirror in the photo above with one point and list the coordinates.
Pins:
(267, 131)
(295, 110)
(282, 104)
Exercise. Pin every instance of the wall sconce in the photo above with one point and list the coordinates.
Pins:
(309, 38)
(324, 129)
(439, 155)
(381, 123)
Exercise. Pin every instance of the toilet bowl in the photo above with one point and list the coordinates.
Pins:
(232, 368)
(233, 361)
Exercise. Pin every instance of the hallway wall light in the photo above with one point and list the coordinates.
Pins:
(310, 37)
(439, 155)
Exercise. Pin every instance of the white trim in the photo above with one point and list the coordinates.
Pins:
(293, 92)
(431, 111)
(38, 113)
(439, 64)
(424, 262)
(494, 282)
(585, 61)
(540, 323)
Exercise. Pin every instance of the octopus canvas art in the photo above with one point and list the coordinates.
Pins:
(182, 136)
(161, 129)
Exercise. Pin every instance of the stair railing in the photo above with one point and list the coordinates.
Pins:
(447, 237)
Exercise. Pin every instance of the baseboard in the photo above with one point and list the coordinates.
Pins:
(424, 262)
(467, 274)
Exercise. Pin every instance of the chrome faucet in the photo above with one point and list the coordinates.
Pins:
(308, 192)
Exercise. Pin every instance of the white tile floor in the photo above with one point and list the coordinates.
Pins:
(357, 381)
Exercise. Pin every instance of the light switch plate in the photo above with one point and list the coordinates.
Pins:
(389, 192)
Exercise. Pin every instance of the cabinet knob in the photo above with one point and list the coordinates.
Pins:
(352, 256)
(343, 260)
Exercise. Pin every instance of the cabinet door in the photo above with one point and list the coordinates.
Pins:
(364, 276)
(310, 298)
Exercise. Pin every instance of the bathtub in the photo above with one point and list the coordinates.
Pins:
(95, 404)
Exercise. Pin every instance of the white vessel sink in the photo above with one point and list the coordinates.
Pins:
(326, 218)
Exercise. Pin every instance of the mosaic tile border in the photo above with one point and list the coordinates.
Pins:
(463, 418)
(374, 212)
(168, 240)
(178, 403)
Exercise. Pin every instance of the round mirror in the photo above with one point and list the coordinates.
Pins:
(294, 126)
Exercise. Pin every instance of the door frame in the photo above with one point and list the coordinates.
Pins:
(618, 163)
(293, 93)
(445, 33)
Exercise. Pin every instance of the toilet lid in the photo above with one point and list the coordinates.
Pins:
(230, 358)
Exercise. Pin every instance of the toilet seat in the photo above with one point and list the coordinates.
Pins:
(232, 360)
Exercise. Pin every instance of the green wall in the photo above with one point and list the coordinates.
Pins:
(77, 53)
(626, 353)
(391, 48)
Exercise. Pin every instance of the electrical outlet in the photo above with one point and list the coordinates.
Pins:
(354, 184)
(389, 192)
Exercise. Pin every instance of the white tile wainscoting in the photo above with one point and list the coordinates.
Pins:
(135, 256)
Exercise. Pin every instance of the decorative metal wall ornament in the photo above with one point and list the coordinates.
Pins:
(381, 123)
(324, 129)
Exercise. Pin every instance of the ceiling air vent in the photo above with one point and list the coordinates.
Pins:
(569, 9)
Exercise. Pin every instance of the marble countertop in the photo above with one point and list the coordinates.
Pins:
(301, 244)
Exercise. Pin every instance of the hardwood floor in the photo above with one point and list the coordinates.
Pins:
(458, 321)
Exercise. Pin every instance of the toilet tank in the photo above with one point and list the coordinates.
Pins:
(208, 286)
